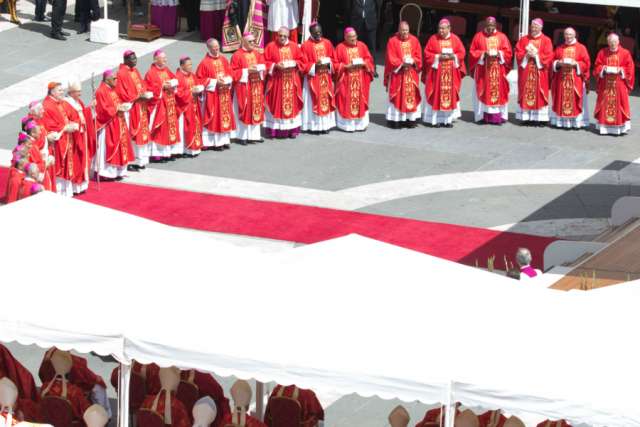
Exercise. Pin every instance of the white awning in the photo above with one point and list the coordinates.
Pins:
(348, 315)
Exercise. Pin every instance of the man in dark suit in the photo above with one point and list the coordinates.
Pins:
(58, 10)
(89, 11)
(364, 18)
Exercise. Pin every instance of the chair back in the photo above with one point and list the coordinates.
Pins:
(137, 391)
(148, 418)
(482, 24)
(285, 411)
(628, 43)
(188, 394)
(57, 411)
(412, 13)
(458, 24)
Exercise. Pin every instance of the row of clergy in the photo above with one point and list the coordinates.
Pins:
(203, 404)
(168, 394)
(312, 87)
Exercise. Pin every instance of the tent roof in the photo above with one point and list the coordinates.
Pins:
(348, 315)
(627, 3)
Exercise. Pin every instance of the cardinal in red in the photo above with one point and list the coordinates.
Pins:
(548, 423)
(114, 149)
(218, 121)
(534, 54)
(189, 111)
(436, 417)
(249, 73)
(615, 73)
(402, 67)
(163, 111)
(131, 88)
(311, 409)
(318, 113)
(284, 63)
(354, 70)
(490, 61)
(44, 143)
(569, 79)
(11, 368)
(242, 396)
(84, 141)
(39, 157)
(442, 76)
(56, 119)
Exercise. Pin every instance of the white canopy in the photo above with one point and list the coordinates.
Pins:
(628, 3)
(348, 315)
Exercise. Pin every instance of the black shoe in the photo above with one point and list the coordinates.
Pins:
(39, 19)
(242, 142)
(133, 168)
(83, 30)
(217, 148)
(226, 147)
(65, 33)
(260, 141)
(375, 75)
(58, 36)
(142, 167)
(118, 178)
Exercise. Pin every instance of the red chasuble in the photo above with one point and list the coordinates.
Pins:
(250, 94)
(442, 84)
(55, 119)
(403, 86)
(492, 419)
(566, 85)
(84, 142)
(533, 82)
(75, 396)
(80, 374)
(156, 402)
(11, 368)
(312, 411)
(320, 84)
(284, 87)
(218, 109)
(208, 386)
(50, 173)
(352, 90)
(612, 106)
(35, 156)
(237, 419)
(492, 87)
(119, 151)
(189, 107)
(149, 372)
(129, 86)
(164, 129)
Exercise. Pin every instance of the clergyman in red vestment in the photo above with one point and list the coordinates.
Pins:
(534, 53)
(489, 61)
(615, 73)
(569, 79)
(402, 66)
(442, 76)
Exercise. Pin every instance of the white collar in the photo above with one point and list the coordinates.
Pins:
(572, 43)
(75, 104)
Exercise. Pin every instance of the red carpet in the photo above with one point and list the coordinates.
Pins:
(305, 224)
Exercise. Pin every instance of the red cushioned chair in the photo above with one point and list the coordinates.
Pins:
(284, 412)
(57, 411)
(188, 394)
(148, 418)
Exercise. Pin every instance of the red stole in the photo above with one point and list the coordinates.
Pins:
(442, 85)
(55, 119)
(164, 129)
(189, 108)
